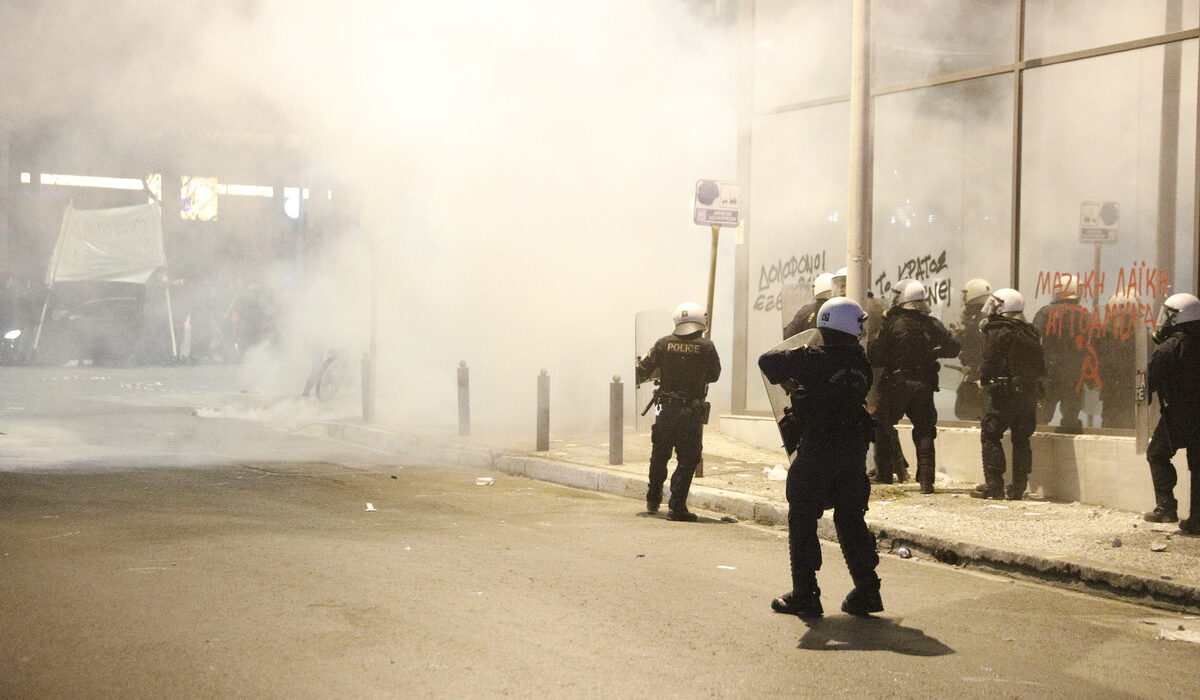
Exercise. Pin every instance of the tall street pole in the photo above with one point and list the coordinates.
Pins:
(858, 237)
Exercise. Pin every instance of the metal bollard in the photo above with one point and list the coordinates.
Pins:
(543, 412)
(368, 388)
(464, 399)
(616, 421)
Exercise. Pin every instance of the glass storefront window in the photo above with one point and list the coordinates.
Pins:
(942, 187)
(1091, 171)
(916, 40)
(1061, 26)
(798, 190)
(801, 51)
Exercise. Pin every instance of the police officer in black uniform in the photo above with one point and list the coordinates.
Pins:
(684, 364)
(1059, 323)
(908, 347)
(968, 398)
(829, 385)
(823, 287)
(1011, 378)
(1174, 374)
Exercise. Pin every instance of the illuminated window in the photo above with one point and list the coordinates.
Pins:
(108, 183)
(247, 190)
(198, 199)
(25, 178)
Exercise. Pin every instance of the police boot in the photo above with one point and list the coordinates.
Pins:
(1015, 491)
(653, 499)
(804, 600)
(1165, 509)
(679, 512)
(991, 490)
(864, 599)
(1190, 526)
(925, 478)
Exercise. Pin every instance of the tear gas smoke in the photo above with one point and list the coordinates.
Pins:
(523, 170)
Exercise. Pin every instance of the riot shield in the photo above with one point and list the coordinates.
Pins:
(649, 326)
(793, 297)
(781, 401)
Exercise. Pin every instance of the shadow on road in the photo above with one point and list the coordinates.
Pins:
(846, 632)
(700, 519)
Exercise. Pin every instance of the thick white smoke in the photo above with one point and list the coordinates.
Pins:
(525, 168)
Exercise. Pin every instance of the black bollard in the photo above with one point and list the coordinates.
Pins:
(464, 399)
(543, 412)
(616, 421)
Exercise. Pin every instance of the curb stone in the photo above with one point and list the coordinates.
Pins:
(1083, 576)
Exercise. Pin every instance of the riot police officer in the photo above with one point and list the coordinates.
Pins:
(1058, 323)
(806, 317)
(899, 462)
(907, 349)
(968, 398)
(684, 364)
(829, 385)
(1174, 374)
(1010, 375)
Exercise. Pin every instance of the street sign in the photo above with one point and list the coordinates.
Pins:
(717, 203)
(1098, 222)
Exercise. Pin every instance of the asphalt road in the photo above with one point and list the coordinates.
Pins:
(172, 555)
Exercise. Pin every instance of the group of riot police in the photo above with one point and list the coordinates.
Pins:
(831, 381)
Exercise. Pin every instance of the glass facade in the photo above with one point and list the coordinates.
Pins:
(1071, 164)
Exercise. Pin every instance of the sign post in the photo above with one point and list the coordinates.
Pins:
(717, 204)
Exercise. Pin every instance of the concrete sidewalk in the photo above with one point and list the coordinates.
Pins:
(1087, 548)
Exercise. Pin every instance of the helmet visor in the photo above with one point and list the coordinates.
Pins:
(1166, 316)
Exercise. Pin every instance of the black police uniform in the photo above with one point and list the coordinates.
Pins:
(1011, 376)
(1064, 362)
(804, 319)
(908, 347)
(1174, 374)
(686, 365)
(829, 470)
(968, 398)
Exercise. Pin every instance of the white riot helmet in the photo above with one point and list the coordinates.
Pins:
(976, 291)
(912, 296)
(823, 286)
(1177, 309)
(839, 282)
(896, 289)
(1008, 302)
(689, 317)
(1121, 299)
(1066, 287)
(842, 314)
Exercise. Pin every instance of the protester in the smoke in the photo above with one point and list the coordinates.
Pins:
(1116, 352)
(899, 462)
(1059, 324)
(1174, 374)
(1010, 374)
(907, 350)
(829, 385)
(968, 398)
(683, 365)
(806, 317)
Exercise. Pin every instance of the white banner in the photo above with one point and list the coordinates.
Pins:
(124, 244)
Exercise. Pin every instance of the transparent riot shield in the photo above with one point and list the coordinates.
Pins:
(1146, 410)
(781, 401)
(793, 298)
(649, 326)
